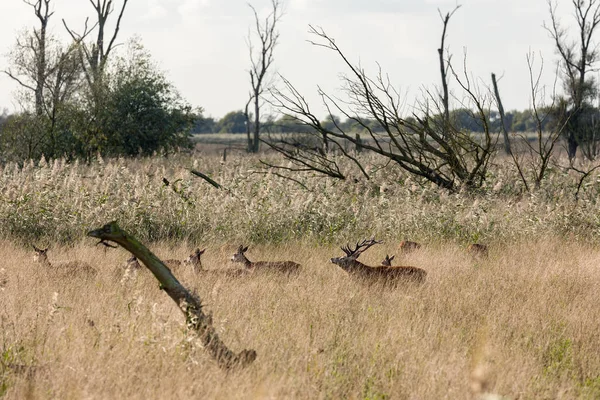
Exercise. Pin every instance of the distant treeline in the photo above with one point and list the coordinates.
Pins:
(235, 122)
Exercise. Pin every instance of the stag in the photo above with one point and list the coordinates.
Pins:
(387, 274)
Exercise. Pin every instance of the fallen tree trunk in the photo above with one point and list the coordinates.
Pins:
(189, 303)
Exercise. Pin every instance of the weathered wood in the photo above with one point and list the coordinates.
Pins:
(190, 304)
(206, 178)
(507, 148)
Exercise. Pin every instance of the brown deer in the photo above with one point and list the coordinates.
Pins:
(478, 250)
(195, 261)
(406, 246)
(413, 273)
(286, 267)
(388, 275)
(133, 264)
(68, 268)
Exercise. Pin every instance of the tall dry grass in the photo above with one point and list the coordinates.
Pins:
(521, 324)
(58, 202)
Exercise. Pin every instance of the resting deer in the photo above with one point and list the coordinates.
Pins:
(414, 273)
(478, 250)
(195, 261)
(71, 267)
(133, 264)
(387, 274)
(406, 246)
(287, 267)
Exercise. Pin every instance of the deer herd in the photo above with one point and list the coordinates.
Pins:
(385, 274)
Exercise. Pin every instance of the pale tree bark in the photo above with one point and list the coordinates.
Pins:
(190, 304)
(94, 58)
(96, 55)
(36, 44)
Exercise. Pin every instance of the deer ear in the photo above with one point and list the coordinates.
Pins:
(391, 258)
(201, 251)
(35, 248)
(245, 249)
(45, 250)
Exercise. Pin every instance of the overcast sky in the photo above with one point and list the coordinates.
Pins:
(201, 44)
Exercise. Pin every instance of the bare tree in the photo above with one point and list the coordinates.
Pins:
(427, 144)
(577, 59)
(94, 56)
(93, 59)
(36, 69)
(261, 59)
(532, 164)
(49, 75)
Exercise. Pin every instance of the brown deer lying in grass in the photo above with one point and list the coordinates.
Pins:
(173, 264)
(388, 275)
(286, 267)
(478, 250)
(67, 268)
(195, 261)
(413, 273)
(406, 246)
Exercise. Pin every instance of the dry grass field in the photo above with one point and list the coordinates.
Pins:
(522, 323)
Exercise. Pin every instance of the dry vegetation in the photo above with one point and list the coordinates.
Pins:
(521, 323)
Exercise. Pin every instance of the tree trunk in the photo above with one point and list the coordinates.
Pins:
(256, 142)
(507, 149)
(188, 303)
(572, 146)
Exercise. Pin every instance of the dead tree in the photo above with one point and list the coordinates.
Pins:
(427, 144)
(190, 304)
(93, 59)
(532, 164)
(577, 59)
(42, 12)
(94, 56)
(507, 149)
(261, 59)
(47, 70)
(36, 68)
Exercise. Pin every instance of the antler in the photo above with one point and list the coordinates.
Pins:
(360, 247)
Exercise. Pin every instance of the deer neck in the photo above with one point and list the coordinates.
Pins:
(45, 262)
(247, 263)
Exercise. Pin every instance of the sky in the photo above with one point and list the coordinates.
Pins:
(201, 45)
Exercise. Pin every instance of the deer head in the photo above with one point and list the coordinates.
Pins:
(40, 255)
(239, 255)
(194, 258)
(349, 261)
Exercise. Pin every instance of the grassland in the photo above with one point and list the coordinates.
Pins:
(521, 324)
